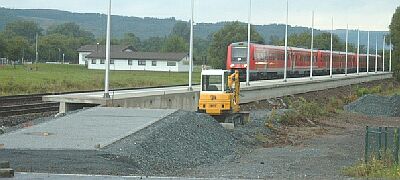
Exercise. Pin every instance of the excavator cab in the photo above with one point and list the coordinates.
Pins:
(219, 95)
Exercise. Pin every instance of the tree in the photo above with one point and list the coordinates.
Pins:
(175, 44)
(131, 39)
(54, 45)
(181, 29)
(17, 48)
(395, 37)
(72, 30)
(26, 29)
(2, 46)
(230, 33)
(321, 41)
(200, 51)
(153, 44)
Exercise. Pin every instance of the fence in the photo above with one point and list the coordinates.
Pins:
(382, 141)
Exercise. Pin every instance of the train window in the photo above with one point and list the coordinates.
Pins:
(239, 52)
(260, 55)
(274, 55)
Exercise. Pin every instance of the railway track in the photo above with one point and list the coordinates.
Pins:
(25, 105)
(29, 104)
(13, 110)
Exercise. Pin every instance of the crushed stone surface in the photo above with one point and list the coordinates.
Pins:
(375, 105)
(180, 140)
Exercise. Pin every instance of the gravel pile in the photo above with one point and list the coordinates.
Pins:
(245, 135)
(374, 105)
(179, 141)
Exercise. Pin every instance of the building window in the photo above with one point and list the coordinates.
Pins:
(171, 63)
(142, 63)
(130, 62)
(154, 63)
(101, 61)
(111, 61)
(93, 61)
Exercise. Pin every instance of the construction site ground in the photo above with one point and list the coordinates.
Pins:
(320, 151)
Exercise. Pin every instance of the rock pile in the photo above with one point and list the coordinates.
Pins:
(179, 141)
(374, 105)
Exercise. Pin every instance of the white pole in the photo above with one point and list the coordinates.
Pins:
(286, 42)
(383, 54)
(191, 49)
(312, 47)
(331, 58)
(376, 55)
(63, 58)
(358, 52)
(390, 56)
(347, 48)
(368, 54)
(248, 47)
(37, 53)
(108, 44)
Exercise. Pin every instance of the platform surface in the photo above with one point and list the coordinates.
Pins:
(85, 130)
(97, 97)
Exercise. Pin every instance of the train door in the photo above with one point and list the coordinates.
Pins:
(293, 59)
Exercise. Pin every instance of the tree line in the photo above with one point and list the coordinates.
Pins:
(18, 41)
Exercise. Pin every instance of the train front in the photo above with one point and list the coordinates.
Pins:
(237, 58)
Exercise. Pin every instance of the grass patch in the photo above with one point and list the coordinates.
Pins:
(51, 78)
(364, 91)
(374, 169)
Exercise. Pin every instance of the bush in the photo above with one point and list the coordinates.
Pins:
(364, 91)
(375, 169)
(302, 113)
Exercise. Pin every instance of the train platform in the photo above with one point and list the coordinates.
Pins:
(90, 129)
(180, 97)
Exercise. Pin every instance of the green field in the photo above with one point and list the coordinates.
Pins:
(49, 78)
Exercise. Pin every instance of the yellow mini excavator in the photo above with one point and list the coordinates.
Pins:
(220, 96)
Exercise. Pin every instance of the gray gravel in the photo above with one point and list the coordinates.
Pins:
(374, 105)
(245, 134)
(179, 141)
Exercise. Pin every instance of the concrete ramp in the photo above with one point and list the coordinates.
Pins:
(86, 130)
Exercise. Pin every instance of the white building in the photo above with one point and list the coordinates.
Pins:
(89, 49)
(129, 60)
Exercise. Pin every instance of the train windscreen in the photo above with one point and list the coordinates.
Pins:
(239, 54)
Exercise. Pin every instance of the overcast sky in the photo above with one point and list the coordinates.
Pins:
(366, 14)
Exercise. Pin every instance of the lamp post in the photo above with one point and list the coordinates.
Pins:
(59, 55)
(108, 47)
(358, 51)
(390, 56)
(331, 57)
(248, 46)
(286, 42)
(383, 54)
(37, 53)
(376, 55)
(191, 49)
(368, 54)
(347, 48)
(312, 47)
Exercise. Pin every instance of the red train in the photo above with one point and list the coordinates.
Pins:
(268, 62)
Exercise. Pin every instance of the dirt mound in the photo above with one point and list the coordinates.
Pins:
(374, 105)
(180, 140)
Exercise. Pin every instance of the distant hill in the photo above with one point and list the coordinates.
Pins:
(151, 27)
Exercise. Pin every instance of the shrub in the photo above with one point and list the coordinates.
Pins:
(364, 91)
